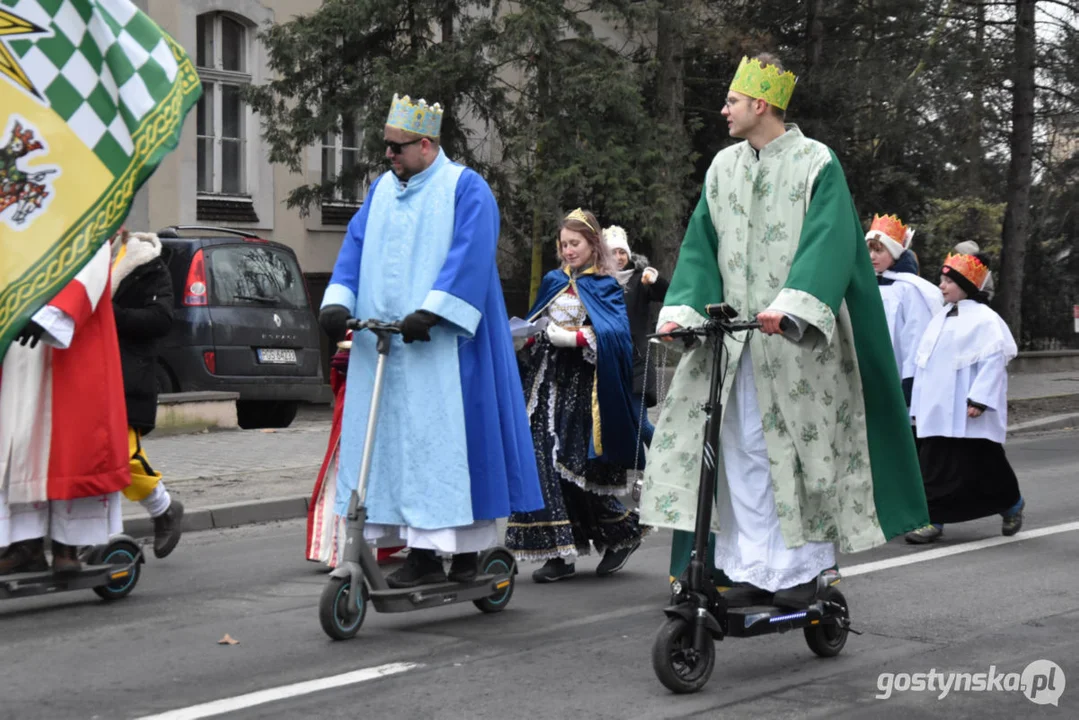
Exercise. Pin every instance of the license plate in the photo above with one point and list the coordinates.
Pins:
(275, 356)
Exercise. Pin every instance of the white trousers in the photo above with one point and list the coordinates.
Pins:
(477, 537)
(84, 521)
(750, 546)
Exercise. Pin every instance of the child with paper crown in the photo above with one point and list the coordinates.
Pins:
(960, 406)
(909, 301)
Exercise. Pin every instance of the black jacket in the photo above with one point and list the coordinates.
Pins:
(142, 303)
(639, 298)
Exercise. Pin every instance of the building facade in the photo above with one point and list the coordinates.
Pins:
(220, 174)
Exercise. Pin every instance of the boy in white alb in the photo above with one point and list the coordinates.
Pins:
(909, 301)
(960, 406)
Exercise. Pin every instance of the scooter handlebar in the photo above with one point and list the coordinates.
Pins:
(356, 324)
(722, 325)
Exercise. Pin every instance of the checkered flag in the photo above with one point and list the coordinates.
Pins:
(93, 95)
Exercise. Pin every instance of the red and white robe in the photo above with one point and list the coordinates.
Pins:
(323, 528)
(63, 422)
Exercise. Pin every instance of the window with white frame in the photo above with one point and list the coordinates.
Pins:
(221, 118)
(340, 153)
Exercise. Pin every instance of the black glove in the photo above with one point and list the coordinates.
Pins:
(332, 318)
(417, 326)
(31, 332)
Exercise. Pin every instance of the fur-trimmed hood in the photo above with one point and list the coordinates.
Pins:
(142, 248)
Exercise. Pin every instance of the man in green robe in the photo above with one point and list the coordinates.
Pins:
(815, 437)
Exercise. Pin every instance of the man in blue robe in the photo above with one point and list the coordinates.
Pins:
(453, 451)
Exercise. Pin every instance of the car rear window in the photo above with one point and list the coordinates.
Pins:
(252, 275)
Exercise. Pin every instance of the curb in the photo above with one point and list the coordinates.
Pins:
(1052, 422)
(227, 516)
(230, 515)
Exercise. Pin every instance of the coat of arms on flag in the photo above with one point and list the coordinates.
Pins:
(93, 95)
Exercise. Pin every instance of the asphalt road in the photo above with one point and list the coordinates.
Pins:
(576, 649)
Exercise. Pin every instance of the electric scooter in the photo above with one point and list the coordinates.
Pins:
(684, 654)
(358, 579)
(111, 570)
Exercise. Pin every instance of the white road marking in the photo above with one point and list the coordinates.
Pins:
(242, 702)
(943, 552)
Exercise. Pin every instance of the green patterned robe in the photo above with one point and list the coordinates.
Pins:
(780, 232)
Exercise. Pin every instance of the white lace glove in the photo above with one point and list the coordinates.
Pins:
(649, 275)
(561, 338)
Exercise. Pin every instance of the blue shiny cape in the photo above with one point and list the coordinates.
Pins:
(604, 301)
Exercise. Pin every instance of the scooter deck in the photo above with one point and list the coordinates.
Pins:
(46, 581)
(447, 593)
(768, 619)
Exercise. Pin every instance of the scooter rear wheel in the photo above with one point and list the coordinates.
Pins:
(827, 639)
(497, 562)
(341, 612)
(120, 551)
(680, 667)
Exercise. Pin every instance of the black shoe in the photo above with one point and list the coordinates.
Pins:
(798, 597)
(168, 527)
(744, 594)
(24, 556)
(422, 567)
(465, 567)
(1011, 524)
(615, 560)
(921, 536)
(554, 570)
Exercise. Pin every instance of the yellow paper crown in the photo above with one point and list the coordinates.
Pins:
(969, 267)
(760, 80)
(419, 118)
(892, 227)
(579, 216)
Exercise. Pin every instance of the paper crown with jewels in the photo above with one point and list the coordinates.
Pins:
(419, 118)
(971, 268)
(892, 233)
(764, 81)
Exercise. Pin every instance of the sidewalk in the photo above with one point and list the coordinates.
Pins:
(247, 476)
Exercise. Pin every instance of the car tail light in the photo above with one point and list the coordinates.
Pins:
(210, 359)
(255, 239)
(195, 287)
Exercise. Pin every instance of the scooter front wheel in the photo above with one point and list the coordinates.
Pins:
(827, 639)
(341, 611)
(678, 665)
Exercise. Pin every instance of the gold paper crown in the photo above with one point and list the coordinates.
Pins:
(419, 118)
(969, 267)
(759, 80)
(892, 227)
(579, 215)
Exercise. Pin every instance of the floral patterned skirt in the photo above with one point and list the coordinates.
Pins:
(580, 507)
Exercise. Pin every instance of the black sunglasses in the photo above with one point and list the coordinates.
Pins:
(398, 147)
